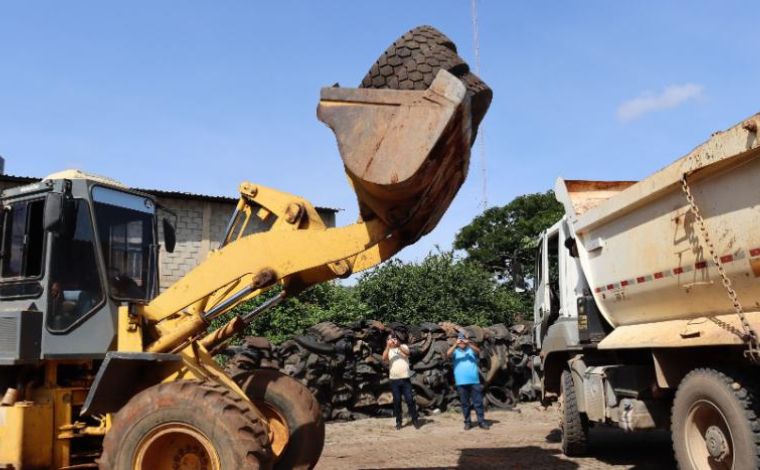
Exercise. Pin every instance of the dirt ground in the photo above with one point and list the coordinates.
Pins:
(523, 439)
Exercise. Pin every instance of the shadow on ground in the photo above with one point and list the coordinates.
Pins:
(528, 457)
(640, 451)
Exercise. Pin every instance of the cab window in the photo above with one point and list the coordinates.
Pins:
(539, 272)
(125, 230)
(75, 287)
(23, 240)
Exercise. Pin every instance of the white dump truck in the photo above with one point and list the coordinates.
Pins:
(647, 306)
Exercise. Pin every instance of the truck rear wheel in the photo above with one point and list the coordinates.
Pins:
(188, 425)
(715, 422)
(573, 424)
(294, 415)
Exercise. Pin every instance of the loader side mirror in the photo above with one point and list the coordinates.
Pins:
(59, 213)
(170, 236)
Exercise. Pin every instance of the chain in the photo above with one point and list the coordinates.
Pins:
(749, 334)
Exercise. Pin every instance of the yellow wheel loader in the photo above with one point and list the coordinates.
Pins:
(97, 368)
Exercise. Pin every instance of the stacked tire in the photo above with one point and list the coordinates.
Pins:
(342, 366)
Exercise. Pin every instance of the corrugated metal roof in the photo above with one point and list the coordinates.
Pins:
(157, 192)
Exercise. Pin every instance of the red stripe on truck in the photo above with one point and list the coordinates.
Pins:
(730, 258)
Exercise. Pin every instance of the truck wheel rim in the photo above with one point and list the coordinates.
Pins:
(279, 432)
(708, 437)
(176, 446)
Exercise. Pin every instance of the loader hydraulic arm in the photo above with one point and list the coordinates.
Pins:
(406, 154)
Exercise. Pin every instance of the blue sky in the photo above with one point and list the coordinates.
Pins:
(198, 96)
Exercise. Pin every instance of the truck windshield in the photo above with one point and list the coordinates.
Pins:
(125, 229)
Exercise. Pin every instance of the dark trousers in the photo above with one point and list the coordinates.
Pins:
(471, 393)
(403, 387)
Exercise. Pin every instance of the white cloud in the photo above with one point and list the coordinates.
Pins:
(670, 97)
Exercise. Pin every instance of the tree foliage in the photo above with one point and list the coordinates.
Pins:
(476, 290)
(437, 289)
(503, 239)
(323, 302)
(440, 288)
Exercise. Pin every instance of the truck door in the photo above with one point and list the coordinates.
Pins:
(541, 293)
(547, 294)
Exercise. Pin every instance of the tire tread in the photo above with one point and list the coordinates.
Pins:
(574, 426)
(238, 414)
(744, 389)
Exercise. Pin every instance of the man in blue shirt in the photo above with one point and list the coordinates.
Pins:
(467, 378)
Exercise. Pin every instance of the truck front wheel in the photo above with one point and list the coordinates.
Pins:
(715, 422)
(573, 424)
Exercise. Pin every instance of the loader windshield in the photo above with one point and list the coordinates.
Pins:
(126, 233)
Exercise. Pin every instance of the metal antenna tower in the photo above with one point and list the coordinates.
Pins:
(481, 136)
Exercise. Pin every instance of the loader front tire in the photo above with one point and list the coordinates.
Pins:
(294, 415)
(573, 424)
(186, 424)
(716, 422)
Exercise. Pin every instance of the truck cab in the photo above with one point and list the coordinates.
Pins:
(74, 247)
(565, 315)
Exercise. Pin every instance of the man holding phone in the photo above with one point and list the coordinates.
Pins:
(397, 357)
(467, 378)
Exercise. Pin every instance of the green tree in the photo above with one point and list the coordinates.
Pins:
(440, 288)
(477, 290)
(324, 302)
(503, 239)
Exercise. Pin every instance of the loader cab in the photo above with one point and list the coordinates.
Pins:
(74, 248)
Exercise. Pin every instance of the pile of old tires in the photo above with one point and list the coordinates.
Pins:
(343, 368)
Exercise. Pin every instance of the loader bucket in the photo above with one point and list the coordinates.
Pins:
(405, 152)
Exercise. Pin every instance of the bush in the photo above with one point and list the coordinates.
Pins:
(324, 302)
(440, 288)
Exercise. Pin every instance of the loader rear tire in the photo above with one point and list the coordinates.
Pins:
(573, 424)
(716, 422)
(292, 410)
(186, 424)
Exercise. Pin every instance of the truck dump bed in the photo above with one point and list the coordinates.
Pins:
(641, 249)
